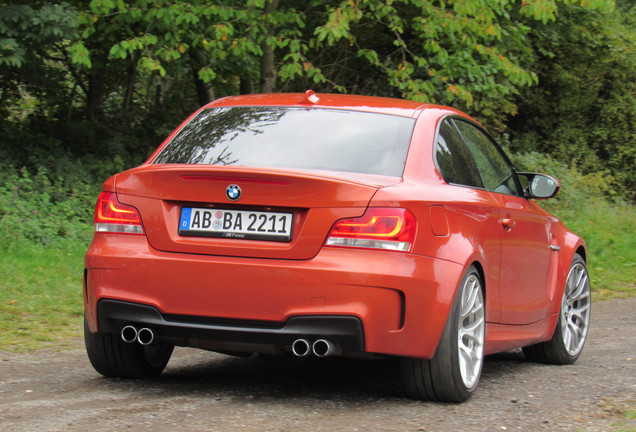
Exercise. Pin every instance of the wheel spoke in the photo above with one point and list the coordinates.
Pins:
(580, 277)
(567, 337)
(579, 313)
(468, 363)
(471, 328)
(574, 333)
(469, 298)
(579, 288)
(467, 354)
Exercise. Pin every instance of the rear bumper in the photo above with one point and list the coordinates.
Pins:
(372, 301)
(232, 335)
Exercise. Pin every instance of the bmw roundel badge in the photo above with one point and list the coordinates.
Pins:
(233, 192)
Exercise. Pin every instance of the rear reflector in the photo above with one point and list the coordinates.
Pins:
(112, 216)
(378, 228)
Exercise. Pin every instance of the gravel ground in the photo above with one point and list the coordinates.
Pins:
(202, 391)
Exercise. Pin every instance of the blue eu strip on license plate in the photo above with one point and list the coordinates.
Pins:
(236, 224)
(185, 219)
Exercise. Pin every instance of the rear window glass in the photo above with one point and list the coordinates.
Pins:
(297, 138)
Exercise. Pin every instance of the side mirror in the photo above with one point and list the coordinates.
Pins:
(540, 186)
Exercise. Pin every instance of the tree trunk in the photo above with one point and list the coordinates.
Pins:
(97, 84)
(95, 97)
(158, 97)
(245, 86)
(69, 112)
(131, 75)
(203, 93)
(268, 72)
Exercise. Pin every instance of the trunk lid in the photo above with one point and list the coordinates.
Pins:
(315, 199)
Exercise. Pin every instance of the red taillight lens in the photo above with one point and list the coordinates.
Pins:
(112, 216)
(378, 228)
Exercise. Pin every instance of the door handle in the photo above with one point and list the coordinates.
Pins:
(508, 223)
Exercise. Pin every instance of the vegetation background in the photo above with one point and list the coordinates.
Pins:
(88, 89)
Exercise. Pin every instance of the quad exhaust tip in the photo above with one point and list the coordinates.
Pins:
(320, 348)
(144, 336)
(129, 334)
(301, 348)
(323, 348)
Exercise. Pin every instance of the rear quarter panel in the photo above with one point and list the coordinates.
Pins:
(472, 234)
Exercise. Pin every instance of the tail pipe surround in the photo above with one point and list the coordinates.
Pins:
(129, 334)
(301, 348)
(324, 348)
(145, 336)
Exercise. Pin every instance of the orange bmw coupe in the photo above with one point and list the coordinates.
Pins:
(333, 225)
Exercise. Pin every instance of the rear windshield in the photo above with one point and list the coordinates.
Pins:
(297, 138)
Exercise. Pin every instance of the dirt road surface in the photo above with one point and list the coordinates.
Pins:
(202, 391)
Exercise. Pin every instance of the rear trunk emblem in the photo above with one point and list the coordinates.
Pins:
(233, 192)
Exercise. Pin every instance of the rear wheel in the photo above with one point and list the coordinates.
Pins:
(574, 320)
(112, 357)
(453, 372)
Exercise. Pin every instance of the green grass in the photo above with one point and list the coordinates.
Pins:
(609, 231)
(626, 409)
(40, 295)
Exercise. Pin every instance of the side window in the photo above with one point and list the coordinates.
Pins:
(453, 159)
(495, 171)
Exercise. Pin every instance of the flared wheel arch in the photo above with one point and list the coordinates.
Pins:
(440, 378)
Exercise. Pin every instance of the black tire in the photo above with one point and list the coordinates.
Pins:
(571, 330)
(114, 358)
(447, 377)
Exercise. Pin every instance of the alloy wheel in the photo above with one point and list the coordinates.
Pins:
(575, 309)
(471, 331)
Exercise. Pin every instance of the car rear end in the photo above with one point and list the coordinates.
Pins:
(254, 229)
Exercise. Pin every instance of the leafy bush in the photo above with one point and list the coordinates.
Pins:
(36, 209)
(576, 188)
(583, 110)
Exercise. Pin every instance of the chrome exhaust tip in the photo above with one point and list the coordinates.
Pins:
(301, 348)
(129, 334)
(145, 336)
(324, 348)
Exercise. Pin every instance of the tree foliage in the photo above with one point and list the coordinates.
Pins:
(584, 110)
(111, 77)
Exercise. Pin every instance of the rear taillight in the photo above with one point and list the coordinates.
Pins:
(112, 216)
(378, 228)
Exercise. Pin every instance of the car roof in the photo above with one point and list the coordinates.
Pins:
(375, 104)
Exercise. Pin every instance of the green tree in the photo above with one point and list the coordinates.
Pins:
(471, 54)
(33, 41)
(583, 111)
(112, 77)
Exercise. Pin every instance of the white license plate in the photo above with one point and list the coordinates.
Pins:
(237, 224)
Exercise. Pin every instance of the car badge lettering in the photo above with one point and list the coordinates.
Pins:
(233, 192)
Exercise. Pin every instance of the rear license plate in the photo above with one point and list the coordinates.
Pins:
(237, 224)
